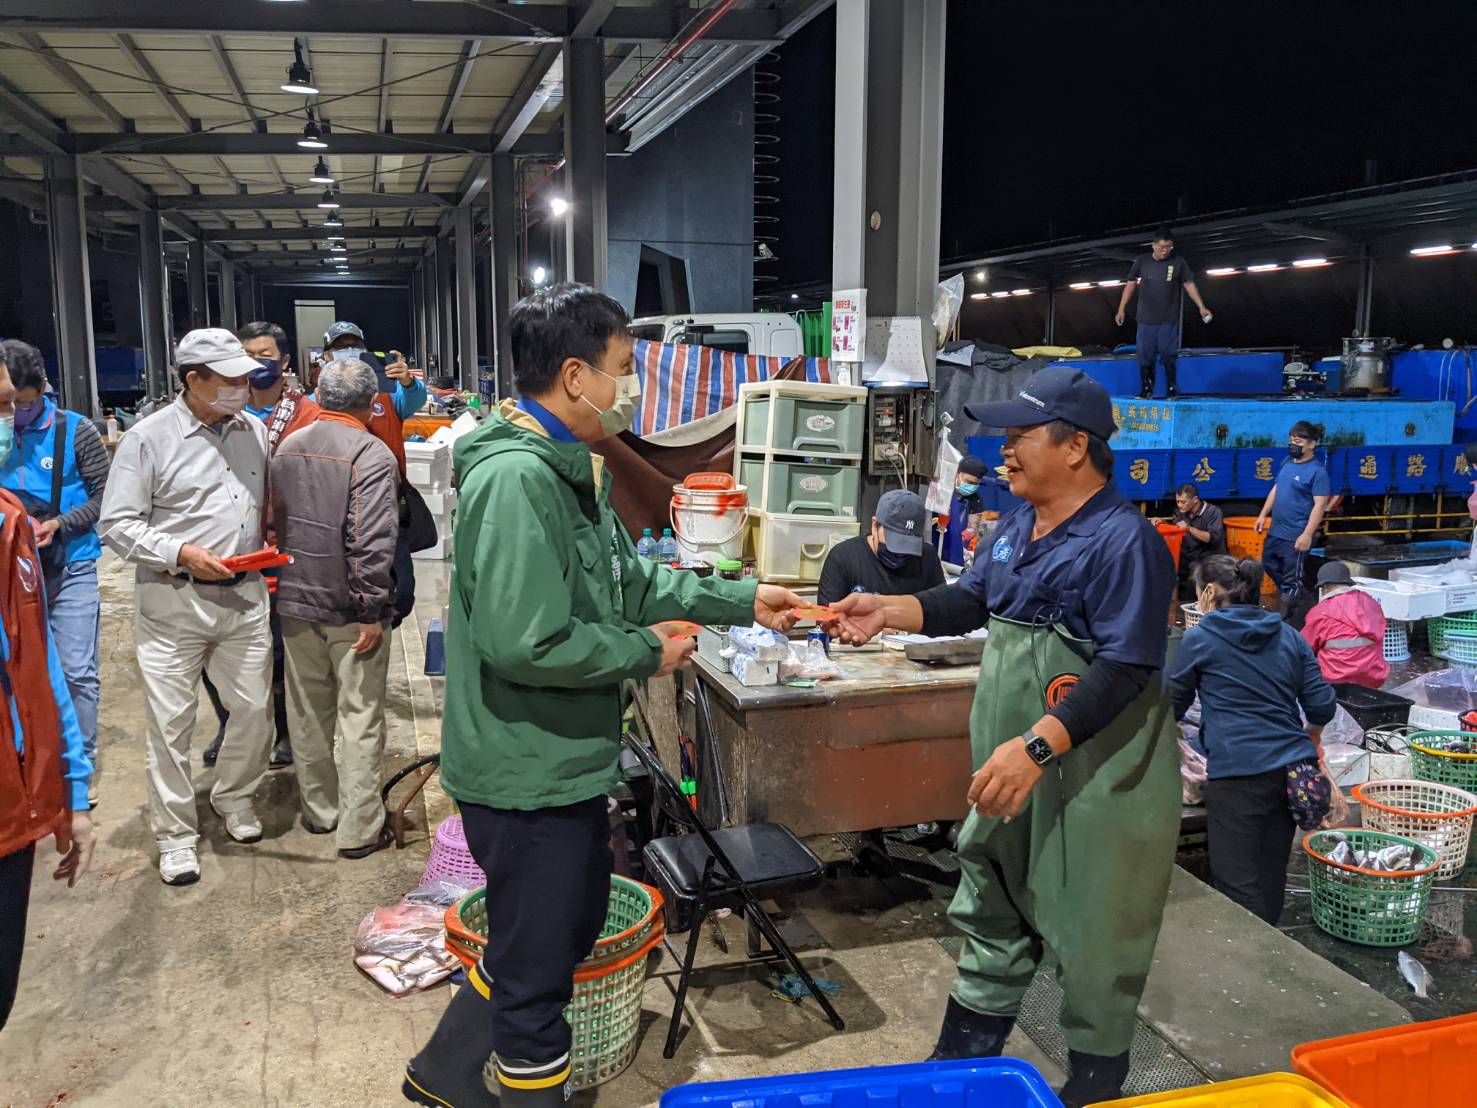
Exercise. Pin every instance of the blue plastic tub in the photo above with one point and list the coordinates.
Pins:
(978, 1083)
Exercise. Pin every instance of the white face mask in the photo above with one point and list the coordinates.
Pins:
(230, 399)
(622, 413)
(348, 354)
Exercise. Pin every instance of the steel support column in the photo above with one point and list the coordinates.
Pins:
(889, 152)
(584, 154)
(418, 314)
(1050, 313)
(466, 301)
(1364, 308)
(70, 283)
(153, 291)
(70, 274)
(503, 191)
(445, 308)
(228, 296)
(198, 288)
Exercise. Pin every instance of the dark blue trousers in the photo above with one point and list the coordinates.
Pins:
(1157, 342)
(1284, 565)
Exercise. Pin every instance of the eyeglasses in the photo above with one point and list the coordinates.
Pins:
(1014, 437)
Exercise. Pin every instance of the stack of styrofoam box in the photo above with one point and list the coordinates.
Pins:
(428, 469)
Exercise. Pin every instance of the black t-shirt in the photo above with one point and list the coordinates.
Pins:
(853, 567)
(1159, 287)
(1209, 519)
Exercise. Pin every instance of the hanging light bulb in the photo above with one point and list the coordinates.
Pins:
(333, 221)
(321, 175)
(299, 76)
(312, 137)
(330, 200)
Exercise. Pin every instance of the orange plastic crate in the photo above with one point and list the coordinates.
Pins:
(1416, 1065)
(1242, 541)
(1270, 1090)
(1173, 536)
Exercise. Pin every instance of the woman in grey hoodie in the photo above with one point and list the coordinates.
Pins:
(1252, 672)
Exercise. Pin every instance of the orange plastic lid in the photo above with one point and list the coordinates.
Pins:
(715, 481)
(679, 628)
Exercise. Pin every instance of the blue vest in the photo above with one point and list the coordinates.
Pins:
(28, 470)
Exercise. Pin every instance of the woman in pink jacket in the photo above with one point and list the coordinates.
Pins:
(1346, 630)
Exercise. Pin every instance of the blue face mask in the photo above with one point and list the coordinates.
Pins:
(968, 490)
(269, 374)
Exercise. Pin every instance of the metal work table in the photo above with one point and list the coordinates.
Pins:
(885, 746)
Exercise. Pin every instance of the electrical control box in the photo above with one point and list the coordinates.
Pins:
(902, 433)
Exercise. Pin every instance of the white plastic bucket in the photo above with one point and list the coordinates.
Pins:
(709, 523)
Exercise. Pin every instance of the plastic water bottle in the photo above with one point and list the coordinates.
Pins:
(667, 547)
(646, 545)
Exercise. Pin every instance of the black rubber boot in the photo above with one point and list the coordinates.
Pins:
(968, 1034)
(531, 1085)
(1095, 1078)
(1146, 383)
(448, 1072)
(281, 753)
(1171, 389)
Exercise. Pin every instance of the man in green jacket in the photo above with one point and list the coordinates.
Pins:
(550, 607)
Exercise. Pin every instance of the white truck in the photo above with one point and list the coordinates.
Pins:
(768, 333)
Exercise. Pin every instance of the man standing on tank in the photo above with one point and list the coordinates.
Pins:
(1159, 275)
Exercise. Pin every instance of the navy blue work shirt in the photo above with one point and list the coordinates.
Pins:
(1297, 484)
(1105, 575)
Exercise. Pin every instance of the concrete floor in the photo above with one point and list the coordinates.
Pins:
(241, 989)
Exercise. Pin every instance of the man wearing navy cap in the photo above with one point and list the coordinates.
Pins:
(1075, 803)
(893, 558)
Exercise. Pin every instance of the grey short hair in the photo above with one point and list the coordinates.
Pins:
(347, 386)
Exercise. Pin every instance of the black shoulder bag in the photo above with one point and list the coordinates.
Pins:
(53, 556)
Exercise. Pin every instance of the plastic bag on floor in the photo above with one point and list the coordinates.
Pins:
(1451, 690)
(1192, 774)
(443, 892)
(403, 948)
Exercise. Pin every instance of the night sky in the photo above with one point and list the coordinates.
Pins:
(1072, 118)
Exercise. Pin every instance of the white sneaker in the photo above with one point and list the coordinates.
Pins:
(179, 867)
(243, 826)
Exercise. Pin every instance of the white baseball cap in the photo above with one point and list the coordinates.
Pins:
(218, 350)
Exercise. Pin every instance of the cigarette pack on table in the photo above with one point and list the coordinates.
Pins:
(749, 670)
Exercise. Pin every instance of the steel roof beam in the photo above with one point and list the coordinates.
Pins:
(146, 68)
(316, 257)
(313, 234)
(511, 22)
(258, 144)
(22, 116)
(257, 201)
(1303, 231)
(69, 76)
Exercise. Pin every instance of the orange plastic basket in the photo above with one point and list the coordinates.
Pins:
(1270, 1090)
(1242, 541)
(1417, 1065)
(1173, 537)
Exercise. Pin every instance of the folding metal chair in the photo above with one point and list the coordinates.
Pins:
(731, 867)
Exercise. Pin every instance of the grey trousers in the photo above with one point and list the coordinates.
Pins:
(330, 688)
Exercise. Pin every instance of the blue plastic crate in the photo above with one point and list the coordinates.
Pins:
(1212, 472)
(1417, 468)
(1143, 474)
(1364, 469)
(978, 1083)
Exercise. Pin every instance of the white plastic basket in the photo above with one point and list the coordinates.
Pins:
(1405, 600)
(1438, 816)
(1434, 719)
(1397, 642)
(1389, 757)
(1193, 614)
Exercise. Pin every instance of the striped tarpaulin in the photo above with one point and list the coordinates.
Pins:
(683, 383)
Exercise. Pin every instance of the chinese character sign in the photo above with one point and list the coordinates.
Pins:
(1203, 472)
(1139, 471)
(1369, 468)
(1415, 465)
(1264, 469)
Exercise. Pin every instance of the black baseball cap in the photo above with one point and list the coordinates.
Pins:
(904, 519)
(973, 466)
(1056, 392)
(1334, 573)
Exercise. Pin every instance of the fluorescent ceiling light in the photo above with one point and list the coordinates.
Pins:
(1020, 292)
(1309, 263)
(1429, 251)
(1001, 295)
(1222, 271)
(1081, 285)
(1263, 267)
(1113, 284)
(979, 296)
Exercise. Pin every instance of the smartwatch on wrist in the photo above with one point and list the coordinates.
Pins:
(1039, 749)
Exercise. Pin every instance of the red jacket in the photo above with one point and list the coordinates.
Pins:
(32, 800)
(1350, 614)
(385, 425)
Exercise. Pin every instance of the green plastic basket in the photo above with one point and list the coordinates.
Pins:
(1446, 757)
(1439, 627)
(1365, 906)
(604, 1014)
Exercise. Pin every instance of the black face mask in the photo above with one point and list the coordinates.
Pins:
(892, 561)
(1294, 451)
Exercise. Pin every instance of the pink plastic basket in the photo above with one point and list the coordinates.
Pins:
(450, 856)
